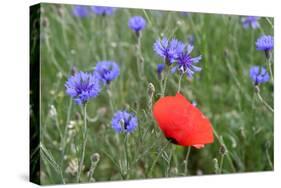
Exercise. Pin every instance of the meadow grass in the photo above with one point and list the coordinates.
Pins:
(223, 91)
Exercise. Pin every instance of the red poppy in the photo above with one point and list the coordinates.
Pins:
(181, 122)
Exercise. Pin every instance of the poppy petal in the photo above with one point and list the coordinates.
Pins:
(199, 146)
(182, 122)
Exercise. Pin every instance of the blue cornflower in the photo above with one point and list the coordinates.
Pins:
(137, 23)
(100, 10)
(185, 62)
(80, 11)
(265, 43)
(123, 121)
(258, 75)
(250, 21)
(106, 71)
(169, 50)
(160, 68)
(82, 87)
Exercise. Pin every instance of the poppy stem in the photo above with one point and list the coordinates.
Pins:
(186, 160)
(84, 138)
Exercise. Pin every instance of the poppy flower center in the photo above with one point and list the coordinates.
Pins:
(172, 140)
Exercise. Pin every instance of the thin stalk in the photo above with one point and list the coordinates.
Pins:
(53, 59)
(216, 165)
(252, 46)
(147, 17)
(58, 127)
(179, 85)
(84, 137)
(226, 153)
(156, 159)
(140, 56)
(269, 21)
(92, 119)
(104, 37)
(268, 159)
(264, 102)
(221, 163)
(169, 161)
(63, 143)
(110, 98)
(61, 176)
(186, 160)
(165, 82)
(92, 170)
(268, 61)
(126, 156)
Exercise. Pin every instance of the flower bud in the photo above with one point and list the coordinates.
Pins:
(216, 165)
(223, 150)
(74, 70)
(151, 90)
(95, 158)
(52, 111)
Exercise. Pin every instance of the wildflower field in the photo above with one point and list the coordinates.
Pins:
(135, 94)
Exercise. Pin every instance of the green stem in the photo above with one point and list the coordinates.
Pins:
(140, 58)
(264, 102)
(252, 50)
(269, 21)
(110, 98)
(104, 37)
(165, 82)
(179, 86)
(226, 152)
(268, 61)
(84, 138)
(169, 161)
(63, 143)
(221, 163)
(52, 57)
(186, 160)
(126, 156)
(58, 127)
(92, 119)
(92, 170)
(61, 175)
(268, 159)
(156, 159)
